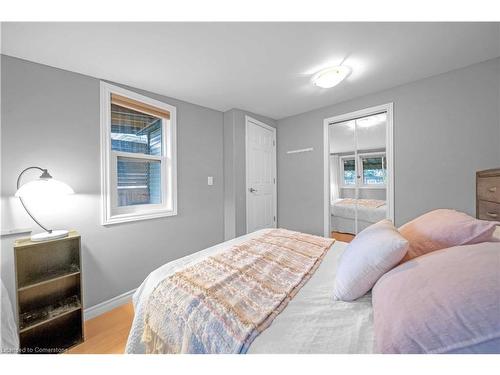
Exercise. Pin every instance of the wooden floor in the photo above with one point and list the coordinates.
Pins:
(107, 333)
(344, 237)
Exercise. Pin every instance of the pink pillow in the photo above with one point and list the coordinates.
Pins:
(444, 302)
(444, 228)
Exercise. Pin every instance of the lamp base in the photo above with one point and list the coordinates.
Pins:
(46, 236)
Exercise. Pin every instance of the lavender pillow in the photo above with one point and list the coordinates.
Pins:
(373, 252)
(443, 228)
(444, 302)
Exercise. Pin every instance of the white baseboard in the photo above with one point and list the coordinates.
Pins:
(110, 304)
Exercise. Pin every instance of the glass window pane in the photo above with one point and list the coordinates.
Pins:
(349, 172)
(133, 131)
(139, 181)
(374, 170)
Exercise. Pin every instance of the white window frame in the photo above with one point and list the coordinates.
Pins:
(359, 182)
(111, 213)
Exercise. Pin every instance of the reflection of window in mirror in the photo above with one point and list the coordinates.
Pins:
(348, 166)
(374, 169)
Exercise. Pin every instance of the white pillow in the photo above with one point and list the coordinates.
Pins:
(372, 253)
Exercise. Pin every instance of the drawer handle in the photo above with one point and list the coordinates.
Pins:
(492, 189)
(491, 214)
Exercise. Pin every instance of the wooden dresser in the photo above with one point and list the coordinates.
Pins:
(488, 194)
(48, 293)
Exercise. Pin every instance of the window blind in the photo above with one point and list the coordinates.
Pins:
(139, 181)
(372, 163)
(349, 165)
(138, 106)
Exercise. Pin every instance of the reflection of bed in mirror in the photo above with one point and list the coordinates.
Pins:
(343, 213)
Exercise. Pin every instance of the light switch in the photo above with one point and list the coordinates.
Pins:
(210, 180)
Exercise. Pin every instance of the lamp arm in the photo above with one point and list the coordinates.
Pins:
(44, 171)
(24, 171)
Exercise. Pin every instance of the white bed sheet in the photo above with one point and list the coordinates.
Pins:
(9, 342)
(311, 323)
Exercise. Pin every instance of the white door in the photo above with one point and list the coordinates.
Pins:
(260, 175)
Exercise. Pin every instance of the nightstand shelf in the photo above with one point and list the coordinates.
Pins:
(36, 317)
(54, 276)
(49, 297)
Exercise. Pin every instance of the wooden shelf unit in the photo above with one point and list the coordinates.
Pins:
(488, 194)
(49, 294)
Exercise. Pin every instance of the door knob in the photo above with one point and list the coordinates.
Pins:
(252, 190)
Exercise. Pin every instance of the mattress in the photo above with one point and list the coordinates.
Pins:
(348, 211)
(343, 225)
(343, 216)
(311, 323)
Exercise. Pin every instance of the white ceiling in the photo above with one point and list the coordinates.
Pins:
(261, 67)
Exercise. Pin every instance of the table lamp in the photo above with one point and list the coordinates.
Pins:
(43, 187)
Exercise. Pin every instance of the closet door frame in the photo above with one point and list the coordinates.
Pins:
(389, 149)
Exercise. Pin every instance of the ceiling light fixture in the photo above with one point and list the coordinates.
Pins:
(331, 77)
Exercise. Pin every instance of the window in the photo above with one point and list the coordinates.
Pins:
(372, 166)
(349, 171)
(138, 156)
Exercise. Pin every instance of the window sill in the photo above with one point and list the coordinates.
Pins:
(127, 218)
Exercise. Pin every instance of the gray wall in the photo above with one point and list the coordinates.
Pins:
(235, 170)
(229, 176)
(50, 118)
(446, 128)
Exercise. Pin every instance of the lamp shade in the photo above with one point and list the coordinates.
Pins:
(44, 188)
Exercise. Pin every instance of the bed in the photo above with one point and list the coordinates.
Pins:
(9, 342)
(312, 322)
(343, 213)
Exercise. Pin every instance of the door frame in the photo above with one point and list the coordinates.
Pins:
(389, 150)
(248, 120)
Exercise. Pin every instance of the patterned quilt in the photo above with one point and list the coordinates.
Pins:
(369, 203)
(220, 304)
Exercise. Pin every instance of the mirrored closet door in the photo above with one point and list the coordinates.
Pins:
(358, 172)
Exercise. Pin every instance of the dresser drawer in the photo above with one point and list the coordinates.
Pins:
(488, 188)
(488, 211)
